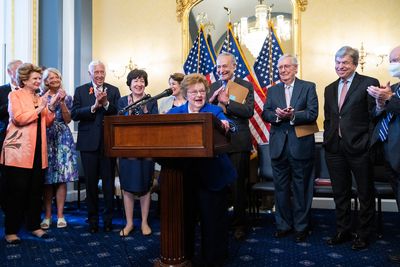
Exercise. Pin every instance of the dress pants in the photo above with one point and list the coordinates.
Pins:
(241, 161)
(341, 166)
(96, 166)
(292, 177)
(393, 176)
(23, 198)
(210, 207)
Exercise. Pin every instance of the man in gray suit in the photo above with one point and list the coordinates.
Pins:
(291, 103)
(387, 130)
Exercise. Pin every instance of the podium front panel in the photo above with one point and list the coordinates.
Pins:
(164, 136)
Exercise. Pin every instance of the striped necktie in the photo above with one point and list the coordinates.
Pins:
(384, 124)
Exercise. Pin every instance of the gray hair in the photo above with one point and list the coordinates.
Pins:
(45, 76)
(12, 63)
(293, 59)
(93, 64)
(227, 54)
(348, 51)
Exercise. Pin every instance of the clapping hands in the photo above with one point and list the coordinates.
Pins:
(381, 94)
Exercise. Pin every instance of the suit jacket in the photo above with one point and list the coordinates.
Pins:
(305, 103)
(90, 126)
(20, 142)
(165, 104)
(354, 116)
(4, 117)
(217, 172)
(239, 114)
(393, 140)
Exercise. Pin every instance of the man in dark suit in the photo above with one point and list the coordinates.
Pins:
(4, 91)
(4, 117)
(291, 103)
(93, 101)
(239, 151)
(387, 131)
(346, 140)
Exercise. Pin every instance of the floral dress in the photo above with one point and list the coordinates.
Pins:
(63, 164)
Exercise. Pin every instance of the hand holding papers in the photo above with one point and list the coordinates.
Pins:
(231, 92)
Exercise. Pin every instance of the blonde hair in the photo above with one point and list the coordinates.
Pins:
(24, 71)
(46, 73)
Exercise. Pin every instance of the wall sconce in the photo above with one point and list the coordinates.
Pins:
(363, 55)
(119, 74)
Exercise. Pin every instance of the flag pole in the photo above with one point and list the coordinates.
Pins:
(228, 12)
(198, 47)
(270, 28)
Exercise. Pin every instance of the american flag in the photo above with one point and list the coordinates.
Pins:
(259, 129)
(200, 58)
(266, 71)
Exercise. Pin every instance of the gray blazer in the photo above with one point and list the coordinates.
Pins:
(305, 103)
(165, 104)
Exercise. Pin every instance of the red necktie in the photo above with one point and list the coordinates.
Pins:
(343, 94)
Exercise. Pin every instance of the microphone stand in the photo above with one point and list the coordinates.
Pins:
(134, 104)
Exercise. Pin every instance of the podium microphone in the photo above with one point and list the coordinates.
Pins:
(166, 92)
(128, 107)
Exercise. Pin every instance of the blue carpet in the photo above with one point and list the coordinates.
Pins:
(73, 246)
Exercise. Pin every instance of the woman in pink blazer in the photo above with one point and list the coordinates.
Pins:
(24, 154)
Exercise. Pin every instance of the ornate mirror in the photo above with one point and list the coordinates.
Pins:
(248, 18)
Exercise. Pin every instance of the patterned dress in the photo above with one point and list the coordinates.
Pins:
(63, 164)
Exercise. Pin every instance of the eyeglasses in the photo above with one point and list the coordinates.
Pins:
(194, 93)
(284, 67)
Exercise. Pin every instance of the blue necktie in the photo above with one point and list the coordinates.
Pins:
(384, 125)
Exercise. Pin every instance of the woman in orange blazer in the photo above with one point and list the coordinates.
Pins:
(24, 154)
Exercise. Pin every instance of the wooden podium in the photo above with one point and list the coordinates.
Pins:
(170, 136)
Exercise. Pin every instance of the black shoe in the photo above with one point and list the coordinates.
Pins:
(108, 227)
(93, 228)
(360, 243)
(339, 238)
(282, 233)
(395, 258)
(240, 233)
(300, 236)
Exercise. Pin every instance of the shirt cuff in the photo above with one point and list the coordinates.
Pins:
(92, 110)
(106, 105)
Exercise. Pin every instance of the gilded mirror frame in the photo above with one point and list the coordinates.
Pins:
(183, 8)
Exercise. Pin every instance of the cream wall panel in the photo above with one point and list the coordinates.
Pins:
(329, 24)
(146, 30)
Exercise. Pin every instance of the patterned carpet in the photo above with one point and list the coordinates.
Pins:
(73, 246)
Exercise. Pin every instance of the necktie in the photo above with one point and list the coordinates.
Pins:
(343, 94)
(287, 95)
(384, 124)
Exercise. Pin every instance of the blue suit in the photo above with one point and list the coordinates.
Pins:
(90, 143)
(205, 192)
(292, 156)
(392, 144)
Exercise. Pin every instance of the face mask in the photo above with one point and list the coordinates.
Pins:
(394, 69)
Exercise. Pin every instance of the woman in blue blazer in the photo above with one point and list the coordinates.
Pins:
(205, 186)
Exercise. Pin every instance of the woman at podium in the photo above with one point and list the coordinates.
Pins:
(136, 174)
(205, 193)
